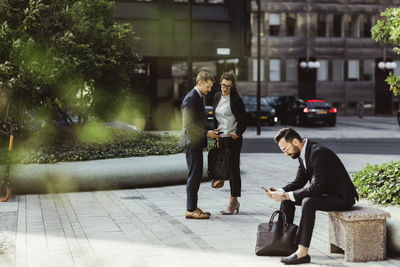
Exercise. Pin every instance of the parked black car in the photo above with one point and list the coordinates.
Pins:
(285, 107)
(294, 110)
(267, 112)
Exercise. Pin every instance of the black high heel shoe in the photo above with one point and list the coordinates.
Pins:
(231, 212)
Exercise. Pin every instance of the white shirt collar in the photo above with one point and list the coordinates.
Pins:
(198, 91)
(303, 152)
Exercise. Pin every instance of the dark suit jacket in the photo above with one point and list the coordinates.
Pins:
(326, 175)
(237, 108)
(194, 128)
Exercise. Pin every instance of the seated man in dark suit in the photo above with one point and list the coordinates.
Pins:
(330, 187)
(194, 139)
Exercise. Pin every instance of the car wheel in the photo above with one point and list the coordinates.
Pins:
(297, 120)
(332, 123)
(398, 119)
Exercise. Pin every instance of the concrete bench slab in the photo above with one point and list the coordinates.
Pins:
(359, 232)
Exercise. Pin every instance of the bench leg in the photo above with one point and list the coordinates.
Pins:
(336, 249)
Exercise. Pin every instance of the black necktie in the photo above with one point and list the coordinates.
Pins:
(301, 163)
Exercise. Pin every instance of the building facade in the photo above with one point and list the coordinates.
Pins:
(221, 36)
(322, 48)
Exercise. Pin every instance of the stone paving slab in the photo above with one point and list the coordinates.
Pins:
(147, 227)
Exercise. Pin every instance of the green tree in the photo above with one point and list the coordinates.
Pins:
(63, 59)
(387, 30)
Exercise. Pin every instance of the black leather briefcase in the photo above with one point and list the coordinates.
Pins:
(276, 238)
(219, 162)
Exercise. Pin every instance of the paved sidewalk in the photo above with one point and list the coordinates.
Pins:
(147, 227)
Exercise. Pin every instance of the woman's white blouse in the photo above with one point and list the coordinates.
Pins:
(226, 120)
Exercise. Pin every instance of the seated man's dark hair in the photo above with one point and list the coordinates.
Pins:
(289, 134)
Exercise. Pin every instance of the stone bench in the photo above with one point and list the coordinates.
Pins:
(359, 232)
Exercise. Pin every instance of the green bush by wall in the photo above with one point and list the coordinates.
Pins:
(379, 183)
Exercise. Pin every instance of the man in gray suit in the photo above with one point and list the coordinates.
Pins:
(194, 139)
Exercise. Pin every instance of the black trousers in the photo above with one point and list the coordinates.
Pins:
(194, 161)
(235, 180)
(309, 206)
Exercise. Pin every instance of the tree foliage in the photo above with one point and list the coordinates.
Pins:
(387, 30)
(64, 59)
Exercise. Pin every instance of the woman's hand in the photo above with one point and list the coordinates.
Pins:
(234, 136)
(214, 133)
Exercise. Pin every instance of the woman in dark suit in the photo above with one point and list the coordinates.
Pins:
(230, 116)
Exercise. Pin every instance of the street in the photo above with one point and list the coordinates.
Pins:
(350, 135)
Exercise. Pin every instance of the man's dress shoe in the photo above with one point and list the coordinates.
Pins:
(197, 214)
(292, 259)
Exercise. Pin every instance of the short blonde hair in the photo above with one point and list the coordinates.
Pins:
(204, 76)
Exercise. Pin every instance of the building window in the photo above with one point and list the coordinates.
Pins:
(368, 70)
(322, 72)
(274, 24)
(337, 25)
(290, 24)
(367, 25)
(321, 25)
(353, 26)
(216, 1)
(291, 69)
(337, 70)
(255, 69)
(353, 73)
(274, 70)
(397, 69)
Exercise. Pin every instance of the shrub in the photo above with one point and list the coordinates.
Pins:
(379, 183)
(111, 143)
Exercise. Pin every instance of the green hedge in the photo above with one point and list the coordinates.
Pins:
(110, 143)
(379, 183)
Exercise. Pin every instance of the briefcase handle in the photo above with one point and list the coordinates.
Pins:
(273, 217)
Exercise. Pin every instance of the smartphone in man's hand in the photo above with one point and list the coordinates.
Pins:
(265, 189)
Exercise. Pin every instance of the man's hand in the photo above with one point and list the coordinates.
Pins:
(277, 196)
(234, 136)
(213, 133)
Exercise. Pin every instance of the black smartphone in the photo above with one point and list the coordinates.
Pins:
(220, 133)
(263, 188)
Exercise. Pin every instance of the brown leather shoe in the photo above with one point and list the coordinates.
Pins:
(205, 212)
(197, 214)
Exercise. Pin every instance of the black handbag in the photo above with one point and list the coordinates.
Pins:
(276, 238)
(219, 162)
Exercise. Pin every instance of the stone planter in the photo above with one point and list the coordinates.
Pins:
(393, 226)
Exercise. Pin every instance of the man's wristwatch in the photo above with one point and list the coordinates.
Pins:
(284, 197)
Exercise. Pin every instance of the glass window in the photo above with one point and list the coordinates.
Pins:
(322, 71)
(337, 25)
(291, 69)
(337, 70)
(255, 69)
(353, 72)
(290, 24)
(352, 26)
(367, 25)
(397, 69)
(274, 24)
(321, 25)
(274, 70)
(368, 69)
(216, 1)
